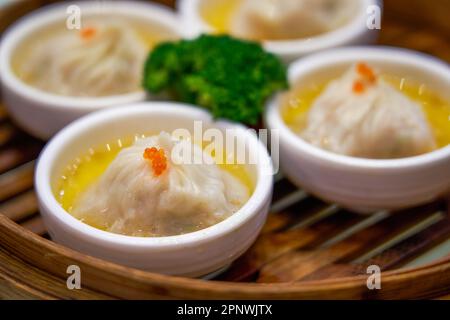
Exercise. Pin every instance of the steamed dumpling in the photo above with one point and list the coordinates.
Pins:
(104, 58)
(131, 198)
(290, 19)
(361, 115)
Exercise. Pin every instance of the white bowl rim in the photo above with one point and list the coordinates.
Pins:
(342, 35)
(51, 13)
(59, 142)
(350, 55)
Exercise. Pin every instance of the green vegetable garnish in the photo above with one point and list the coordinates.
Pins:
(229, 77)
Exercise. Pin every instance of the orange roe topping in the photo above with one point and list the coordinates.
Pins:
(366, 72)
(88, 33)
(358, 87)
(158, 159)
(366, 78)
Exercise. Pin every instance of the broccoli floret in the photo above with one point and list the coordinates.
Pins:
(230, 77)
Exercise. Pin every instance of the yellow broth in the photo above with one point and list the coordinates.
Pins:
(218, 13)
(298, 102)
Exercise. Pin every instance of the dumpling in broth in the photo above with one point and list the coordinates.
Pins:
(290, 19)
(361, 115)
(161, 196)
(104, 58)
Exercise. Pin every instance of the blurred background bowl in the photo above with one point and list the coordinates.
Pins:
(42, 113)
(355, 32)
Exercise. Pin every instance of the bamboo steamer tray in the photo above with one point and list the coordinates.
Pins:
(307, 250)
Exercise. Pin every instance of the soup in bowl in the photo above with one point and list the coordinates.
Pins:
(135, 185)
(367, 128)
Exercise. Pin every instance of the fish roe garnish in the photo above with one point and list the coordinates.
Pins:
(358, 87)
(88, 32)
(366, 72)
(157, 158)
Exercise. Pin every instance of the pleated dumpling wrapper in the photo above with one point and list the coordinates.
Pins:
(361, 115)
(148, 190)
(290, 19)
(105, 58)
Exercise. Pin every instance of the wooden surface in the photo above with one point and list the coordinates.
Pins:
(308, 249)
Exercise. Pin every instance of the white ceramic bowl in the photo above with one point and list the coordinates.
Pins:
(362, 184)
(41, 113)
(193, 254)
(355, 32)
